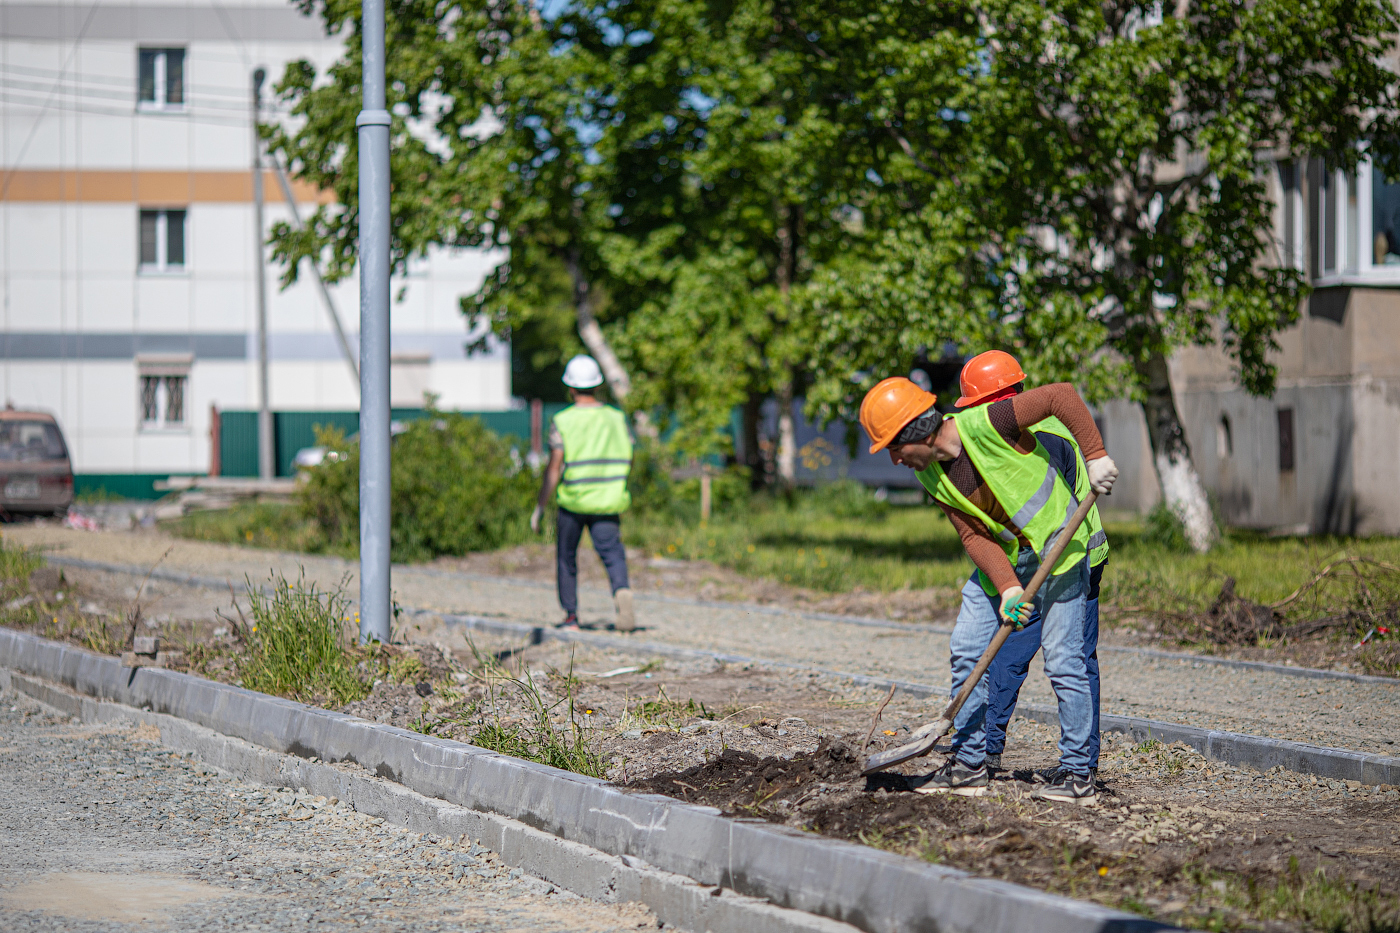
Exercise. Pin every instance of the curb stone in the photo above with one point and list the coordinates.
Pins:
(875, 891)
(676, 900)
(1312, 673)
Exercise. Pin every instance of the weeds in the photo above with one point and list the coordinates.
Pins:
(661, 712)
(535, 736)
(1313, 899)
(299, 644)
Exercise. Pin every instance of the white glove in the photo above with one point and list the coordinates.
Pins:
(1102, 474)
(1013, 610)
(536, 517)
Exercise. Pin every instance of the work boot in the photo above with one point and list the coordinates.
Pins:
(954, 778)
(1070, 788)
(1048, 775)
(626, 617)
(570, 622)
(993, 762)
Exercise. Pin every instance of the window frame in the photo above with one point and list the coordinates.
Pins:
(160, 79)
(163, 265)
(1353, 219)
(158, 373)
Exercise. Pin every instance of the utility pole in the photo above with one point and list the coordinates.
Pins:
(267, 463)
(373, 126)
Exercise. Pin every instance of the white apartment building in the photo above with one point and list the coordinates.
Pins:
(127, 245)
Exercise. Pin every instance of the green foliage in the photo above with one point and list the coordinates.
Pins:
(300, 643)
(457, 487)
(1163, 528)
(16, 564)
(256, 524)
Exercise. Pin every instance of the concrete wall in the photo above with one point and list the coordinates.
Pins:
(82, 158)
(1339, 373)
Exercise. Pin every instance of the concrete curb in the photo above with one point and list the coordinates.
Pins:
(1289, 670)
(1234, 748)
(872, 890)
(676, 900)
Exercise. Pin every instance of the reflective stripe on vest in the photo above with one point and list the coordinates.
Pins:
(597, 459)
(1027, 485)
(1098, 538)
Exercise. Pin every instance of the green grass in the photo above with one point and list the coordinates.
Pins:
(299, 644)
(253, 524)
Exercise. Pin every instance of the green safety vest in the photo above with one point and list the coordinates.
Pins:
(1098, 538)
(1028, 486)
(597, 459)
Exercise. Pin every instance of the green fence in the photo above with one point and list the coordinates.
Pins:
(96, 487)
(294, 430)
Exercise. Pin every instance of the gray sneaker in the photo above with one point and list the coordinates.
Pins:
(626, 614)
(1070, 788)
(953, 778)
(1056, 774)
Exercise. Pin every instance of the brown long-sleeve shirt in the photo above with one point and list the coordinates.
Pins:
(1012, 419)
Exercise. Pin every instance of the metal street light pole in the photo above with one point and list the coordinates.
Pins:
(267, 464)
(373, 126)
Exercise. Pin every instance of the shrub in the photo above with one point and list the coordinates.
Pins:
(457, 487)
(1163, 527)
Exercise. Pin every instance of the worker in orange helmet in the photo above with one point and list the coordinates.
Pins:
(987, 378)
(995, 481)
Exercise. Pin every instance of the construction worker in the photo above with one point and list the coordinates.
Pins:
(589, 459)
(994, 480)
(990, 377)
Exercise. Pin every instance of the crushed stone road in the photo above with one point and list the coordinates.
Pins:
(1335, 713)
(106, 831)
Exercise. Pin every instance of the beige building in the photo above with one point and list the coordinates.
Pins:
(1320, 455)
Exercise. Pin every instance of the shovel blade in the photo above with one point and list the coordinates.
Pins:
(920, 743)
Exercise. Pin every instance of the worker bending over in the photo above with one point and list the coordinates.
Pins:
(996, 482)
(990, 377)
(589, 459)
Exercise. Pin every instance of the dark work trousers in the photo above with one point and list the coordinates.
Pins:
(606, 533)
(1013, 662)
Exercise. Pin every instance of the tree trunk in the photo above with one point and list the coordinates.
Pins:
(1181, 484)
(753, 453)
(787, 438)
(585, 300)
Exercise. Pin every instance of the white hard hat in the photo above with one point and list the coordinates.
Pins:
(582, 372)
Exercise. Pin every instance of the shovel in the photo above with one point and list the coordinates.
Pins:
(923, 740)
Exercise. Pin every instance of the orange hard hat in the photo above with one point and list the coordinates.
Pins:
(986, 374)
(887, 408)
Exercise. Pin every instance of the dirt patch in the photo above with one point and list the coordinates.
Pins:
(1154, 844)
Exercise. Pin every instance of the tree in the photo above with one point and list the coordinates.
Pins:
(1117, 207)
(495, 111)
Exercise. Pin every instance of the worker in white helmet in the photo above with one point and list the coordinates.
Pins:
(589, 459)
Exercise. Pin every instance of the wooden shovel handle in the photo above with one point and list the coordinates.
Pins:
(1004, 631)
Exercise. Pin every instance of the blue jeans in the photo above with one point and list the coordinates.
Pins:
(1060, 604)
(606, 532)
(1013, 662)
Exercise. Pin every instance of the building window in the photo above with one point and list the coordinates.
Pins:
(1285, 440)
(162, 241)
(161, 84)
(1291, 216)
(164, 384)
(1224, 438)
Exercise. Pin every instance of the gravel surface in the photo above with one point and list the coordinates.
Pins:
(105, 830)
(1339, 714)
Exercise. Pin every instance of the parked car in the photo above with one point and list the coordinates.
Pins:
(310, 457)
(36, 475)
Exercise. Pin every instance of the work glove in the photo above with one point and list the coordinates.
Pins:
(536, 518)
(1102, 474)
(1014, 610)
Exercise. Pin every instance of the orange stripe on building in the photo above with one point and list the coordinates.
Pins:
(154, 189)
